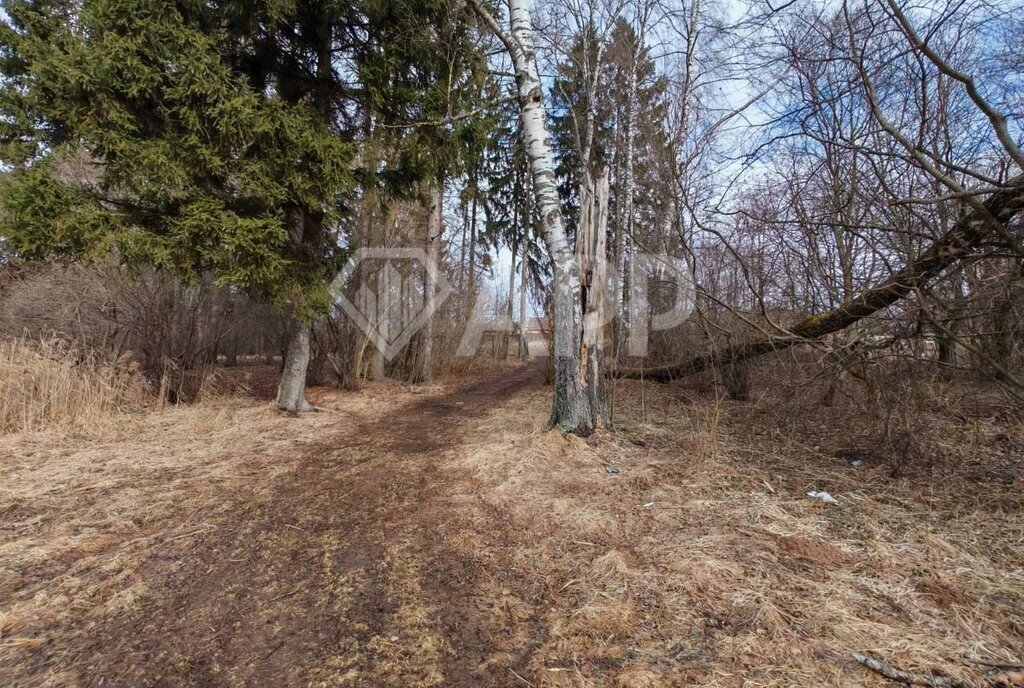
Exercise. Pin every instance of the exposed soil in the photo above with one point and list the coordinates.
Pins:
(339, 571)
(437, 536)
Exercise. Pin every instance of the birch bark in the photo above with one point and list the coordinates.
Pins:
(571, 409)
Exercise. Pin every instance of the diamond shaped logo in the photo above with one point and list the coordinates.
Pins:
(390, 304)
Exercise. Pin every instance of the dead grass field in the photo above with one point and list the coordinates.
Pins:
(438, 536)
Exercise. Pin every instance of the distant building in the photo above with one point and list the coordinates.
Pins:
(537, 332)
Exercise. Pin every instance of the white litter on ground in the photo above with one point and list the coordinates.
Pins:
(823, 497)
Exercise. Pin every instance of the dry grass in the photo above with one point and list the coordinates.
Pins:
(703, 562)
(46, 387)
(700, 562)
(84, 516)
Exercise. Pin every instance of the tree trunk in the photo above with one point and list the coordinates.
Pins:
(472, 243)
(624, 229)
(291, 390)
(433, 237)
(591, 252)
(575, 374)
(376, 371)
(506, 337)
(959, 243)
(295, 358)
(524, 341)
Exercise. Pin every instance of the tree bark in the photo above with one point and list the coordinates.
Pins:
(506, 337)
(524, 342)
(433, 237)
(295, 358)
(291, 390)
(376, 371)
(958, 243)
(472, 242)
(572, 410)
(624, 229)
(591, 256)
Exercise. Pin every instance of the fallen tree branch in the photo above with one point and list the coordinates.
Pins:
(894, 674)
(960, 242)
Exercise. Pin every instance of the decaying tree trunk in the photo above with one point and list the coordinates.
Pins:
(591, 252)
(575, 377)
(960, 242)
(911, 679)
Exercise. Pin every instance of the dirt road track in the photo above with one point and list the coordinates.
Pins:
(436, 536)
(336, 575)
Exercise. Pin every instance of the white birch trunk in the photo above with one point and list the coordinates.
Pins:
(571, 410)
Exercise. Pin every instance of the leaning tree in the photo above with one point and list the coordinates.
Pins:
(580, 404)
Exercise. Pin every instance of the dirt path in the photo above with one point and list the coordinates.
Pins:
(338, 574)
(438, 537)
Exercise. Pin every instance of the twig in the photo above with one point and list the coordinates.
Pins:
(519, 677)
(179, 537)
(995, 665)
(275, 649)
(284, 595)
(894, 674)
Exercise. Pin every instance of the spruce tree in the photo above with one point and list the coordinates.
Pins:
(214, 137)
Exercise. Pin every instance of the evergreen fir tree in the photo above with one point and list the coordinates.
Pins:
(212, 137)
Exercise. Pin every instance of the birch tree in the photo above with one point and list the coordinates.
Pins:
(578, 404)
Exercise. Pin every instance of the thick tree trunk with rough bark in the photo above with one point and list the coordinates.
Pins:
(958, 243)
(295, 361)
(291, 391)
(591, 252)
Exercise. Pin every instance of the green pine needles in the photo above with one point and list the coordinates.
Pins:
(219, 137)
